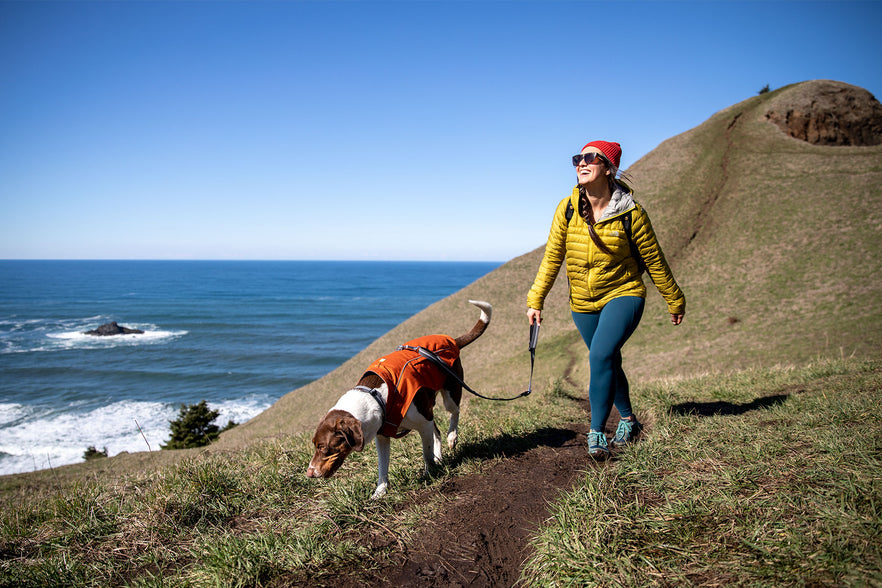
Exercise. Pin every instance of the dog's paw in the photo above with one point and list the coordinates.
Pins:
(380, 492)
(451, 440)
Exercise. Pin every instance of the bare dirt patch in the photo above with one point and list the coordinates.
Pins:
(825, 112)
(482, 536)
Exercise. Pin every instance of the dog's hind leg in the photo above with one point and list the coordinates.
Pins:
(452, 407)
(383, 455)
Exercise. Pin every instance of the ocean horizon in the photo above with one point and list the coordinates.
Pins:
(238, 334)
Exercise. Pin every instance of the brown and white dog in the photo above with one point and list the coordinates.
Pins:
(360, 415)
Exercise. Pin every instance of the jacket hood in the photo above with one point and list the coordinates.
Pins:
(621, 201)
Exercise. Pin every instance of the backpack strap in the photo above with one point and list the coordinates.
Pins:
(635, 253)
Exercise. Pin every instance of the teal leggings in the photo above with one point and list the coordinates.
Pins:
(605, 333)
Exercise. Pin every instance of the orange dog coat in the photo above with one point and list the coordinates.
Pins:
(406, 371)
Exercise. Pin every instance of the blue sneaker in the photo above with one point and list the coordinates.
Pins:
(626, 432)
(597, 446)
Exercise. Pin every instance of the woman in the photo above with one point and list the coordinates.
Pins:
(605, 273)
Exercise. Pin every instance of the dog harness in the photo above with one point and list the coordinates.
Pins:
(405, 371)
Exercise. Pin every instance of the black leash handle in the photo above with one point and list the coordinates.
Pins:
(534, 339)
(443, 365)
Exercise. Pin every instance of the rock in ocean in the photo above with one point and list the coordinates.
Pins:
(113, 329)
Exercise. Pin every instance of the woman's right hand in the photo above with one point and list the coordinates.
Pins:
(534, 316)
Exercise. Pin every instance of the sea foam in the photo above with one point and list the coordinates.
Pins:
(42, 335)
(151, 335)
(34, 438)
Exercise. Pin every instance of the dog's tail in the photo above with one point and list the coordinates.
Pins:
(480, 326)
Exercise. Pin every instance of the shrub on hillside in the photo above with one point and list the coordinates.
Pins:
(92, 453)
(194, 427)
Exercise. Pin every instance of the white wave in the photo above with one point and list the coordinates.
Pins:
(239, 410)
(10, 412)
(49, 438)
(18, 324)
(151, 335)
(40, 335)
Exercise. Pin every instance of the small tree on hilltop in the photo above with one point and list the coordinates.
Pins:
(194, 427)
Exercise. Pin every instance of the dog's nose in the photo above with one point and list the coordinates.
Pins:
(311, 473)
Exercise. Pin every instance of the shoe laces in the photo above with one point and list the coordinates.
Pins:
(623, 431)
(597, 439)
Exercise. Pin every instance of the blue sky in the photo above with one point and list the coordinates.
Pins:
(364, 130)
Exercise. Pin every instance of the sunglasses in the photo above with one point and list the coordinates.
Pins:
(588, 158)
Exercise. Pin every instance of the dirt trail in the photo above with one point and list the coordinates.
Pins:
(482, 537)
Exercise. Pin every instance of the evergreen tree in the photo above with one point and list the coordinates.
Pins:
(194, 427)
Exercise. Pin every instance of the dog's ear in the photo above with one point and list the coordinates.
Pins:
(350, 428)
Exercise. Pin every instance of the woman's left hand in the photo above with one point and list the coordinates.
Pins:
(677, 318)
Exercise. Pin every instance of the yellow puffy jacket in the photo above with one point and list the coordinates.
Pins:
(596, 277)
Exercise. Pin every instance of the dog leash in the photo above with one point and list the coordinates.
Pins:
(534, 338)
(443, 365)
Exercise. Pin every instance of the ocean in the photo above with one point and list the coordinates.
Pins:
(238, 334)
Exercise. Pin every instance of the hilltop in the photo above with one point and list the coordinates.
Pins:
(776, 241)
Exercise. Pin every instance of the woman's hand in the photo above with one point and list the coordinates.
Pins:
(534, 316)
(677, 318)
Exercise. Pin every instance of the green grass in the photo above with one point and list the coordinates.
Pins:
(782, 486)
(243, 518)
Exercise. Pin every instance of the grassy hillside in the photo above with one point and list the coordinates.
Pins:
(735, 485)
(777, 244)
(764, 477)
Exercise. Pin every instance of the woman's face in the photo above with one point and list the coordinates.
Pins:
(589, 173)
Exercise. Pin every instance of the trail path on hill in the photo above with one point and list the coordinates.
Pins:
(481, 538)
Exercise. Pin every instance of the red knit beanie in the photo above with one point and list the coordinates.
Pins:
(613, 151)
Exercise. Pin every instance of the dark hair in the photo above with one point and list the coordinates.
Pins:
(587, 213)
(585, 210)
(617, 176)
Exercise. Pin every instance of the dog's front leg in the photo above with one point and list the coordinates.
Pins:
(383, 455)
